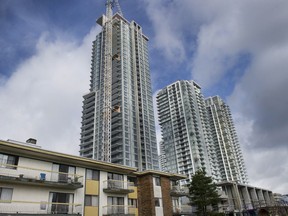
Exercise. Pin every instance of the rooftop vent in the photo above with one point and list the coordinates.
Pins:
(31, 141)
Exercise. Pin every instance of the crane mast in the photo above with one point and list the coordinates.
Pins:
(107, 73)
(118, 7)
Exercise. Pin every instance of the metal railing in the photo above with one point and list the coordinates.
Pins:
(222, 194)
(254, 204)
(24, 172)
(226, 208)
(119, 209)
(258, 203)
(29, 207)
(180, 189)
(117, 184)
(183, 209)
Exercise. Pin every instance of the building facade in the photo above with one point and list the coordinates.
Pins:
(227, 148)
(281, 202)
(162, 157)
(132, 132)
(34, 181)
(187, 141)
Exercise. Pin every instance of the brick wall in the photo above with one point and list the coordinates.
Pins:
(166, 197)
(146, 205)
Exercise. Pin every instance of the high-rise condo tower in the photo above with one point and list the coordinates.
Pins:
(118, 120)
(198, 133)
(227, 148)
(187, 144)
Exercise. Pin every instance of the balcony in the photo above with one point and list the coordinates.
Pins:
(38, 177)
(178, 191)
(119, 210)
(117, 186)
(22, 208)
(182, 210)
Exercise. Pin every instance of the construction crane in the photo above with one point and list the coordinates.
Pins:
(107, 73)
(116, 3)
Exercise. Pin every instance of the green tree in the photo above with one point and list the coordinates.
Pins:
(203, 192)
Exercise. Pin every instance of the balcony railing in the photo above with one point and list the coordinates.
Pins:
(222, 195)
(29, 175)
(118, 186)
(119, 210)
(178, 190)
(226, 208)
(28, 207)
(254, 204)
(258, 203)
(182, 210)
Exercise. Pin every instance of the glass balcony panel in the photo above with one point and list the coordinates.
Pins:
(118, 186)
(29, 207)
(119, 210)
(30, 175)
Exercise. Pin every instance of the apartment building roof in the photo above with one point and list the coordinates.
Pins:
(34, 152)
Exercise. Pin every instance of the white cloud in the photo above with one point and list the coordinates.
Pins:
(224, 31)
(43, 97)
(165, 32)
(242, 28)
(260, 98)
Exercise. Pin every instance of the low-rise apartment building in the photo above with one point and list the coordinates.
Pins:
(35, 181)
(242, 199)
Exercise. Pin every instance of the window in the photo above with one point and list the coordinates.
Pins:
(174, 183)
(132, 203)
(175, 202)
(6, 194)
(132, 179)
(61, 202)
(115, 176)
(7, 160)
(157, 181)
(63, 173)
(92, 174)
(91, 200)
(157, 202)
(115, 205)
(115, 180)
(115, 200)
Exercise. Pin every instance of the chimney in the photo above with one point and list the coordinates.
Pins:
(31, 141)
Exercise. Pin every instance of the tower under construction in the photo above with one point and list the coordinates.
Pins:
(118, 119)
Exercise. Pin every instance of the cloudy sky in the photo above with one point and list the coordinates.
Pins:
(235, 49)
